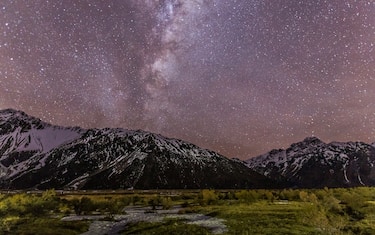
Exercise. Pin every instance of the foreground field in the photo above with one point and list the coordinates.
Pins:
(325, 211)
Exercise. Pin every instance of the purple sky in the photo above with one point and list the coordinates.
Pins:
(240, 77)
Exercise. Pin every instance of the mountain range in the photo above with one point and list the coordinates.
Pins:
(38, 155)
(315, 164)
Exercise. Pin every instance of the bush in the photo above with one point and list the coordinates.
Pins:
(247, 196)
(153, 202)
(135, 199)
(83, 205)
(110, 206)
(354, 205)
(24, 204)
(208, 197)
(8, 223)
(45, 226)
(308, 197)
(166, 203)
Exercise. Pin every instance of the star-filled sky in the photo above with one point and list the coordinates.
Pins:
(240, 77)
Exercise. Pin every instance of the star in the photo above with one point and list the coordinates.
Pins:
(240, 77)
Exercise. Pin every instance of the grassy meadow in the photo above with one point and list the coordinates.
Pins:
(318, 211)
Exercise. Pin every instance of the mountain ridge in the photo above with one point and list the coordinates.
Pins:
(35, 154)
(313, 163)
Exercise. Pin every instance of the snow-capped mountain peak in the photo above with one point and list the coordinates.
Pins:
(34, 154)
(313, 163)
(21, 132)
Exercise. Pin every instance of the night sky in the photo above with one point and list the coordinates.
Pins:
(240, 77)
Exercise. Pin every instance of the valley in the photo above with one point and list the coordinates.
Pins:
(75, 181)
(287, 211)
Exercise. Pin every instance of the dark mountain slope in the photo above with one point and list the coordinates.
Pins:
(35, 154)
(315, 164)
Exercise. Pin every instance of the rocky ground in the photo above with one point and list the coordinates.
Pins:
(134, 214)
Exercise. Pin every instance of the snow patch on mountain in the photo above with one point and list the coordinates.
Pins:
(35, 154)
(21, 132)
(351, 163)
(42, 140)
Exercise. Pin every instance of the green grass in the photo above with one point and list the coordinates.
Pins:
(262, 218)
(257, 218)
(45, 226)
(167, 227)
(322, 211)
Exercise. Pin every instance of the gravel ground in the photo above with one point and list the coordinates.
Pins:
(139, 214)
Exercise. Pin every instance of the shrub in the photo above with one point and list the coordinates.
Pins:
(247, 196)
(83, 205)
(354, 205)
(208, 197)
(166, 203)
(9, 222)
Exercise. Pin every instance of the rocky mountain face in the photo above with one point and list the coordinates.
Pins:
(315, 164)
(37, 155)
(34, 154)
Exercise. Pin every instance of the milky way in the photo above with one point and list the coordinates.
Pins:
(240, 77)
